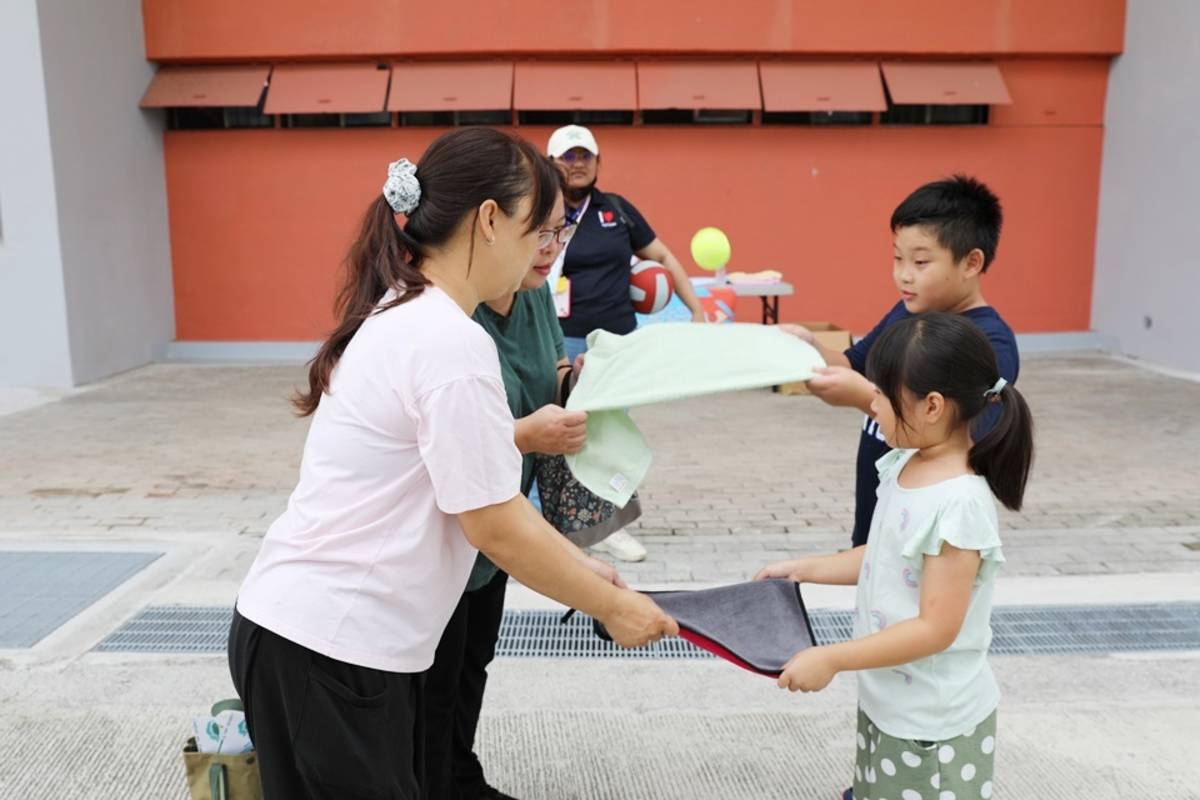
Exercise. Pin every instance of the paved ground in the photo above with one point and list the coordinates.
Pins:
(195, 462)
(1096, 728)
(736, 480)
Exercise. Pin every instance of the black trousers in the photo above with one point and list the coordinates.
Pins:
(324, 729)
(454, 689)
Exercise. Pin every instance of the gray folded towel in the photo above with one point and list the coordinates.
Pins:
(758, 625)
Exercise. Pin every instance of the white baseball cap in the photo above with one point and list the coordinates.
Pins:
(569, 137)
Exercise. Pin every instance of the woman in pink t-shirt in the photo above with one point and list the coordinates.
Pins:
(408, 469)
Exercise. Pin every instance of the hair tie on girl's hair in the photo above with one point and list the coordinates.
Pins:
(994, 392)
(402, 189)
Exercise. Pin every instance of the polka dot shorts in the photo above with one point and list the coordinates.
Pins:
(961, 768)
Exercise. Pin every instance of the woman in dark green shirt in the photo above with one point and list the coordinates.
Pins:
(534, 367)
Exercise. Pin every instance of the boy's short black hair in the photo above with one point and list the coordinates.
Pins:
(963, 213)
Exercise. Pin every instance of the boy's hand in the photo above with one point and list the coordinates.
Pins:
(791, 570)
(799, 331)
(809, 670)
(842, 386)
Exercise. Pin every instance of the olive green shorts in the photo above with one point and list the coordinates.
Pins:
(887, 768)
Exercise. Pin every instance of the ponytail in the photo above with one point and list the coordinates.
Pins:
(383, 257)
(460, 171)
(1004, 455)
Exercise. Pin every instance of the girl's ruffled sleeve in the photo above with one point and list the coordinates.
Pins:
(966, 522)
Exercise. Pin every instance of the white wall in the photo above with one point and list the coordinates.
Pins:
(1147, 256)
(108, 170)
(34, 348)
(85, 262)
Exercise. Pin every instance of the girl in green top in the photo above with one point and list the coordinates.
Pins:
(927, 697)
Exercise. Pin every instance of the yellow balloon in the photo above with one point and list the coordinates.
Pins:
(710, 249)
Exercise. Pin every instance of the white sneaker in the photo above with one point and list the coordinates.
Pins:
(622, 546)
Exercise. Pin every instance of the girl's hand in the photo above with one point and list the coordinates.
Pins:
(791, 570)
(809, 670)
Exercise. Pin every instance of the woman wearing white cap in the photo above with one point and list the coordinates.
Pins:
(595, 293)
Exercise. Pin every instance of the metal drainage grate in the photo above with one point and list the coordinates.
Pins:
(1019, 630)
(539, 634)
(172, 629)
(39, 591)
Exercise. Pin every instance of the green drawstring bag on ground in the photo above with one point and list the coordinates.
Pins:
(221, 775)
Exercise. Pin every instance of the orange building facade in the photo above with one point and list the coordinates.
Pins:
(794, 125)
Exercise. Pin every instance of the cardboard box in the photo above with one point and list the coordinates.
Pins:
(829, 336)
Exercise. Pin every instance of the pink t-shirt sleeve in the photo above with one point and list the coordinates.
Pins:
(465, 434)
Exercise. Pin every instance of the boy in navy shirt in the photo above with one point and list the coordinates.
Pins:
(944, 238)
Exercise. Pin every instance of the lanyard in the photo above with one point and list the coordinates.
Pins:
(579, 212)
(556, 269)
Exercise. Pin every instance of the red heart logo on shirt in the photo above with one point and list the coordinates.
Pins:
(608, 216)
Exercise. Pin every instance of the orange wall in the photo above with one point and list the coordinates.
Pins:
(260, 219)
(274, 29)
(1053, 91)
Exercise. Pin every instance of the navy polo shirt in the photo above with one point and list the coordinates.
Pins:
(871, 444)
(597, 264)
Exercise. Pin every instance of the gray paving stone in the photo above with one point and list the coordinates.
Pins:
(188, 449)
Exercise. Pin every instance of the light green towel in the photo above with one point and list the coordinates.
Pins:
(659, 363)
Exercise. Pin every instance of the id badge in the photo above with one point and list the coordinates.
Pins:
(562, 297)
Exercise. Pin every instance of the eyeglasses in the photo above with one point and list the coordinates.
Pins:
(578, 154)
(562, 234)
